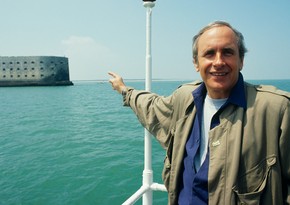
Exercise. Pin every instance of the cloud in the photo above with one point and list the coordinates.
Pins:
(88, 60)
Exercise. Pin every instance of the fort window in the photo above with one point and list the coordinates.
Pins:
(11, 68)
(18, 76)
(32, 62)
(42, 75)
(41, 61)
(25, 68)
(25, 76)
(41, 68)
(18, 68)
(3, 63)
(11, 62)
(11, 76)
(3, 69)
(33, 76)
(4, 76)
(32, 68)
(25, 62)
(18, 63)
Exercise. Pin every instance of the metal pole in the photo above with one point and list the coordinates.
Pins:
(148, 186)
(147, 172)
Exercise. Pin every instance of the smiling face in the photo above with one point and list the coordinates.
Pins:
(218, 61)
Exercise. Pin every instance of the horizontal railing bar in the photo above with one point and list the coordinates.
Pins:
(158, 187)
(137, 195)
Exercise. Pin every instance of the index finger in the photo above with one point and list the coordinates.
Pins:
(112, 74)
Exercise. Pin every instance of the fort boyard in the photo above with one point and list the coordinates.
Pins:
(34, 71)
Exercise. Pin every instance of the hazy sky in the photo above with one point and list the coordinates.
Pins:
(109, 35)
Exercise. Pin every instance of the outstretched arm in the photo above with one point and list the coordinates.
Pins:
(117, 82)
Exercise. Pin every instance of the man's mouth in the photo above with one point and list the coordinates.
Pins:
(218, 74)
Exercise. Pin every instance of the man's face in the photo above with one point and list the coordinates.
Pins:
(218, 61)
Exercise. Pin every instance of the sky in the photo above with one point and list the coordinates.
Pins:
(109, 35)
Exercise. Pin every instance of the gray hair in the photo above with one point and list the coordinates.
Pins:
(239, 35)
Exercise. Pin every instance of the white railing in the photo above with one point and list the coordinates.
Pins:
(145, 191)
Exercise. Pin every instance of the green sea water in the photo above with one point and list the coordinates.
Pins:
(75, 145)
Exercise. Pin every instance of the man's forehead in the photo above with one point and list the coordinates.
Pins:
(217, 36)
(218, 31)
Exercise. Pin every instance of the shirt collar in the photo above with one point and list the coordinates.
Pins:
(237, 95)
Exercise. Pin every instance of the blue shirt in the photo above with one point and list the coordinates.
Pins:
(194, 189)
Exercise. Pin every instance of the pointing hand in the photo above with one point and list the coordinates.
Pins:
(117, 82)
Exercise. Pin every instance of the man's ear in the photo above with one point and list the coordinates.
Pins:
(242, 64)
(195, 63)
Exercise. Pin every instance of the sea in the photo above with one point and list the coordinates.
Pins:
(76, 145)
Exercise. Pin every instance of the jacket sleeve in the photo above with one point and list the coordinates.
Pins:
(284, 150)
(153, 111)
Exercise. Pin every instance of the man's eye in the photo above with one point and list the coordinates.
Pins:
(228, 52)
(208, 53)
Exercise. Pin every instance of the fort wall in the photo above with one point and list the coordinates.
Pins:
(34, 70)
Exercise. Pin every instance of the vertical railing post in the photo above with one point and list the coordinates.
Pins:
(147, 172)
(147, 183)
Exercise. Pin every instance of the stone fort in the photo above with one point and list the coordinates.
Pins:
(34, 71)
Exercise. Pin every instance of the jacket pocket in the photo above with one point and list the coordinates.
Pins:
(167, 161)
(251, 185)
(166, 172)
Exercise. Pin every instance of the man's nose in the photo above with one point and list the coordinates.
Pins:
(218, 60)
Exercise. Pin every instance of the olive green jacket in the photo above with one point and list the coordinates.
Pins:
(249, 160)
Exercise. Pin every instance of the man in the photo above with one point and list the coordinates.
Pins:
(226, 141)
